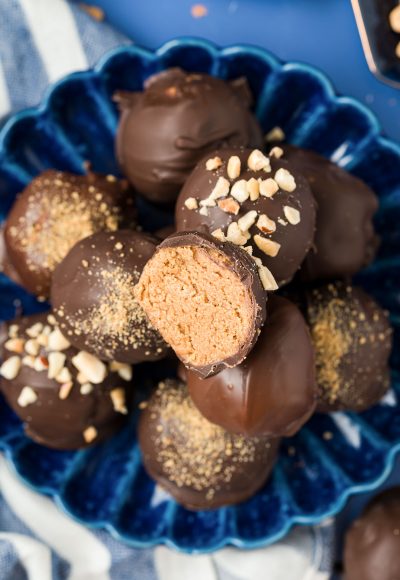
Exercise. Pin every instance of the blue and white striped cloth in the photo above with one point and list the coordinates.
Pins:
(39, 542)
(41, 41)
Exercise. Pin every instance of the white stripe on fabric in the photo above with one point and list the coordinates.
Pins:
(295, 551)
(86, 555)
(5, 104)
(34, 556)
(171, 565)
(55, 34)
(350, 430)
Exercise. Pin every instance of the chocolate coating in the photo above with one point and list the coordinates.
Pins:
(233, 260)
(372, 544)
(295, 239)
(345, 240)
(164, 232)
(5, 265)
(352, 338)
(198, 463)
(93, 301)
(56, 210)
(272, 392)
(56, 413)
(178, 118)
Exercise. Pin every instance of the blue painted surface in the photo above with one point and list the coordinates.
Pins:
(106, 486)
(318, 32)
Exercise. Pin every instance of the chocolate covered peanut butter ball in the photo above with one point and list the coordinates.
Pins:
(372, 544)
(352, 338)
(178, 118)
(93, 297)
(67, 398)
(272, 392)
(254, 200)
(206, 298)
(345, 240)
(54, 212)
(198, 463)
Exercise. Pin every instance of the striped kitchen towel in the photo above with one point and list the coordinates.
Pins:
(39, 542)
(41, 41)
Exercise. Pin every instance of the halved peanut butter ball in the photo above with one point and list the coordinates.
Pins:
(206, 298)
(273, 392)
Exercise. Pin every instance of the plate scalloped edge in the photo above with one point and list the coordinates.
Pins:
(315, 121)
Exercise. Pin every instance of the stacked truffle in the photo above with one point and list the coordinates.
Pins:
(93, 301)
(68, 373)
(372, 544)
(199, 463)
(179, 117)
(254, 200)
(66, 397)
(55, 211)
(254, 365)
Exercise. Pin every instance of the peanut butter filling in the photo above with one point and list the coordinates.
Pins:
(197, 303)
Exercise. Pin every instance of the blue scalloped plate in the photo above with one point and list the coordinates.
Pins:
(106, 486)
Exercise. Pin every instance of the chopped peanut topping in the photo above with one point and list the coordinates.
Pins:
(191, 203)
(229, 205)
(65, 390)
(27, 397)
(257, 161)
(276, 152)
(118, 401)
(219, 235)
(221, 189)
(247, 221)
(90, 434)
(394, 18)
(253, 189)
(233, 168)
(285, 180)
(92, 367)
(235, 235)
(267, 279)
(276, 134)
(269, 247)
(268, 187)
(32, 347)
(10, 368)
(15, 345)
(214, 163)
(292, 215)
(265, 224)
(239, 190)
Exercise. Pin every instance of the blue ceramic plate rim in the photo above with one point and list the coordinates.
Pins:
(375, 132)
(228, 540)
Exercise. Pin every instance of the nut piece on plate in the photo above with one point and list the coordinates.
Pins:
(206, 298)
